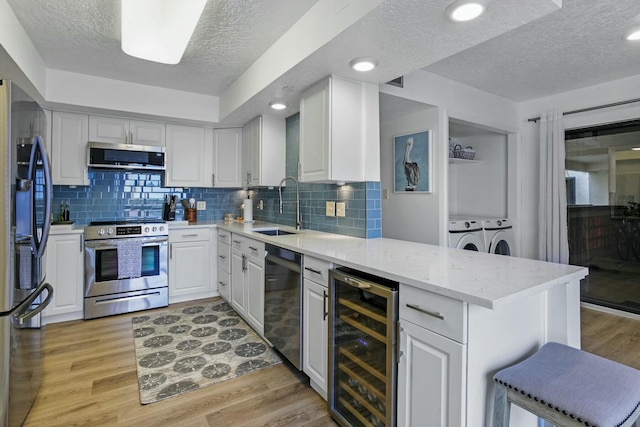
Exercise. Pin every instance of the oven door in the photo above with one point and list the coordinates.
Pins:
(101, 267)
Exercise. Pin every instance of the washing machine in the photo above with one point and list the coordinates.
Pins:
(498, 236)
(466, 234)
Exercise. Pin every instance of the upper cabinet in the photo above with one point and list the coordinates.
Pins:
(227, 158)
(116, 130)
(69, 136)
(339, 132)
(186, 157)
(263, 151)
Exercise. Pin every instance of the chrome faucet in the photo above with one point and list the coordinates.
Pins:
(298, 217)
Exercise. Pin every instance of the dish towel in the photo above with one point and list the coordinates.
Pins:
(129, 259)
(25, 261)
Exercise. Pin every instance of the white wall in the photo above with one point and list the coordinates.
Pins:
(606, 93)
(414, 216)
(480, 189)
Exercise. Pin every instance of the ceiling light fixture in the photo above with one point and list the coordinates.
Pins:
(277, 105)
(159, 31)
(465, 10)
(633, 35)
(363, 64)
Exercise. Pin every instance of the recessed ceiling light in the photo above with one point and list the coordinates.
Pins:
(465, 10)
(159, 31)
(363, 64)
(633, 35)
(277, 105)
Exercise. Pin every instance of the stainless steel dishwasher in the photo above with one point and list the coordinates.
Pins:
(283, 302)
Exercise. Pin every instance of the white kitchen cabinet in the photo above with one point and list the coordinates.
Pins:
(263, 151)
(65, 272)
(247, 280)
(339, 131)
(185, 157)
(315, 323)
(227, 158)
(431, 375)
(70, 136)
(118, 130)
(189, 264)
(224, 263)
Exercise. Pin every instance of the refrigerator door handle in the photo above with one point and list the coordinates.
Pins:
(39, 148)
(21, 310)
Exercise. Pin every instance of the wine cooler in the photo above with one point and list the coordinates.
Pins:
(362, 348)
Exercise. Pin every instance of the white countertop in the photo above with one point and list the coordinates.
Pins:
(478, 278)
(65, 229)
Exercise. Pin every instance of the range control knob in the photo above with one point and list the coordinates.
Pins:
(499, 223)
(110, 231)
(146, 229)
(154, 229)
(162, 228)
(101, 232)
(467, 224)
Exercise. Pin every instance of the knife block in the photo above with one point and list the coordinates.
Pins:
(191, 214)
(168, 214)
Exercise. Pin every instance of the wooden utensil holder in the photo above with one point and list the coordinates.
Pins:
(191, 215)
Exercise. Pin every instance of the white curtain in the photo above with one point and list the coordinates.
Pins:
(554, 244)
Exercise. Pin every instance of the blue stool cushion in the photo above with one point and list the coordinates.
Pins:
(586, 387)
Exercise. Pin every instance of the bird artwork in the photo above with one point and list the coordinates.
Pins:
(411, 169)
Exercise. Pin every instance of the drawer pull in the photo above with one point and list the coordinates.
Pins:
(313, 271)
(222, 283)
(253, 249)
(222, 256)
(237, 242)
(222, 236)
(427, 312)
(189, 235)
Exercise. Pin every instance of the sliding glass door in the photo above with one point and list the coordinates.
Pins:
(603, 198)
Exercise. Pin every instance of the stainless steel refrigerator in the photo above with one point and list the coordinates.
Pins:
(25, 212)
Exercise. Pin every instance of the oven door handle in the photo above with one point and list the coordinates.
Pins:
(112, 243)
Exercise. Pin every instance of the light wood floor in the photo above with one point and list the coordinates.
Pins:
(90, 380)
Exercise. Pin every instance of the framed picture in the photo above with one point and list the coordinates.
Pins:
(412, 162)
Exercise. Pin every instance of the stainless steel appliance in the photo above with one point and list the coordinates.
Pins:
(363, 318)
(25, 215)
(125, 267)
(283, 302)
(126, 156)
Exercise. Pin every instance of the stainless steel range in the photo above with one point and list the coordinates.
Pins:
(125, 267)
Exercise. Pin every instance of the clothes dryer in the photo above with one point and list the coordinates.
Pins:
(498, 236)
(466, 234)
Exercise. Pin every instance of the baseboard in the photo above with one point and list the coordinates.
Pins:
(610, 310)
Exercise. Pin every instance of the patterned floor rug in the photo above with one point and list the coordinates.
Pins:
(190, 348)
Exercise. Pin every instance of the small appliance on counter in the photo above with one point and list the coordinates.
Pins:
(169, 208)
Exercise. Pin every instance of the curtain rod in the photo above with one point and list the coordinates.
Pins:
(582, 110)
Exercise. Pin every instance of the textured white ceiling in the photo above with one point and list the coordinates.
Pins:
(83, 36)
(580, 45)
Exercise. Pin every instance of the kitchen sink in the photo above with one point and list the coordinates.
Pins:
(275, 232)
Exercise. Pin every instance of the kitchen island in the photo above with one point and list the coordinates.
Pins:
(494, 311)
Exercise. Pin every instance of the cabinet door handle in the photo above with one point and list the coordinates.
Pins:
(222, 256)
(222, 283)
(427, 312)
(398, 342)
(244, 259)
(82, 244)
(324, 305)
(313, 271)
(213, 179)
(171, 251)
(356, 283)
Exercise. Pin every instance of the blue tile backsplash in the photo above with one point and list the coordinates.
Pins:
(125, 194)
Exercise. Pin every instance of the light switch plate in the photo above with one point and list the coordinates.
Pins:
(331, 209)
(202, 205)
(341, 208)
(385, 193)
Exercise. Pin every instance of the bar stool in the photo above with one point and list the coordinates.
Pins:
(569, 387)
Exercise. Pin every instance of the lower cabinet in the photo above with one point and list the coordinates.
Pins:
(189, 265)
(65, 272)
(247, 280)
(431, 374)
(315, 331)
(223, 263)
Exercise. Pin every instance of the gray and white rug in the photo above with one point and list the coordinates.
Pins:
(193, 347)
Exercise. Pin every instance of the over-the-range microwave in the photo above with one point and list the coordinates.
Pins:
(126, 156)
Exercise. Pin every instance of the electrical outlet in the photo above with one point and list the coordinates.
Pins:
(331, 209)
(261, 205)
(385, 193)
(201, 205)
(340, 208)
